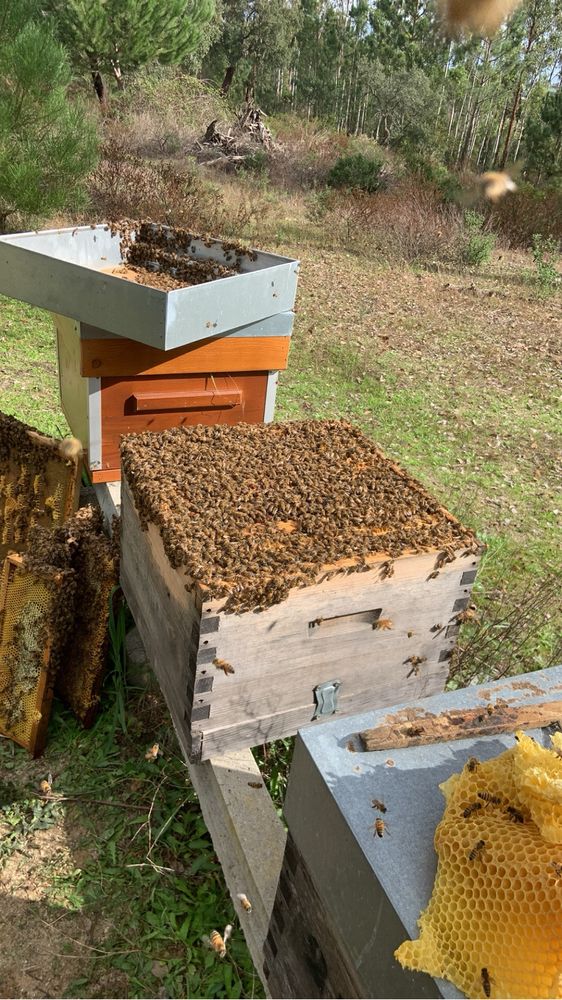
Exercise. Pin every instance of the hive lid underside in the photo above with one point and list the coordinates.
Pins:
(64, 271)
(404, 862)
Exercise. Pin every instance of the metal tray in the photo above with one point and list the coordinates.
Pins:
(62, 270)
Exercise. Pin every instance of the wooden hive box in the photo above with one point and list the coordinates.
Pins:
(112, 385)
(282, 573)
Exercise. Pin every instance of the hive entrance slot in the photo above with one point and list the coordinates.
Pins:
(342, 623)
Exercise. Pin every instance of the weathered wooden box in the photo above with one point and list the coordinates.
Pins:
(111, 385)
(266, 597)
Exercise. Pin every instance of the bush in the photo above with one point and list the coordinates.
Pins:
(545, 255)
(478, 245)
(48, 145)
(357, 173)
(528, 211)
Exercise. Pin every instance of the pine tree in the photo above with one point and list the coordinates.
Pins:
(47, 143)
(117, 36)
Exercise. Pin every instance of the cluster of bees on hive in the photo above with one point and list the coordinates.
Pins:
(150, 248)
(250, 511)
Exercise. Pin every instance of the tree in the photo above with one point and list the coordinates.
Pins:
(257, 36)
(47, 144)
(117, 36)
(544, 138)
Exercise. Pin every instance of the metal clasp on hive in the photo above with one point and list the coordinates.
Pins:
(326, 696)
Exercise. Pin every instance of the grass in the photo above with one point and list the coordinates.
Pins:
(456, 378)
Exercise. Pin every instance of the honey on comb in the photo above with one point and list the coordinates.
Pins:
(493, 925)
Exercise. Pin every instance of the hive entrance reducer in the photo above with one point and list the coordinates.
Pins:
(282, 558)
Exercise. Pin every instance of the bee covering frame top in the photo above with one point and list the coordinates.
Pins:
(65, 271)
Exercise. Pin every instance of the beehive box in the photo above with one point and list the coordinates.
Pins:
(79, 273)
(110, 385)
(280, 573)
(347, 898)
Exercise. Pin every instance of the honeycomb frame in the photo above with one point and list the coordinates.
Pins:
(27, 660)
(38, 484)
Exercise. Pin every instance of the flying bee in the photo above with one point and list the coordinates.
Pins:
(377, 804)
(380, 827)
(153, 753)
(514, 815)
(485, 976)
(245, 902)
(472, 763)
(489, 799)
(476, 851)
(473, 807)
(227, 668)
(217, 942)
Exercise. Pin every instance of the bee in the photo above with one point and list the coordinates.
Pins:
(514, 815)
(490, 709)
(46, 784)
(557, 868)
(468, 615)
(245, 902)
(387, 569)
(377, 804)
(410, 634)
(476, 850)
(217, 942)
(227, 668)
(436, 628)
(350, 745)
(414, 731)
(557, 751)
(255, 784)
(382, 624)
(153, 753)
(472, 763)
(473, 807)
(380, 827)
(434, 575)
(485, 976)
(489, 799)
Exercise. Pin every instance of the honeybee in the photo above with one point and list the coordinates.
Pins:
(514, 815)
(46, 784)
(485, 975)
(472, 763)
(380, 827)
(387, 569)
(557, 868)
(489, 799)
(476, 850)
(469, 614)
(245, 902)
(255, 784)
(382, 624)
(227, 668)
(414, 731)
(153, 753)
(473, 807)
(434, 575)
(377, 804)
(218, 941)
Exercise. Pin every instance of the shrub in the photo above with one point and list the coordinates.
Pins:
(357, 173)
(545, 252)
(48, 144)
(478, 245)
(528, 211)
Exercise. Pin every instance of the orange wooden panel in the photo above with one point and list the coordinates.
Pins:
(119, 356)
(119, 414)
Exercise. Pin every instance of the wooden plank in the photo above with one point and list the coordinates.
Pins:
(121, 357)
(149, 402)
(421, 727)
(247, 836)
(118, 414)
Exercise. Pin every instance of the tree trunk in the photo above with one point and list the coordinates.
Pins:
(227, 81)
(249, 91)
(99, 87)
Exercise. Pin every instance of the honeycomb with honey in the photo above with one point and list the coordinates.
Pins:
(493, 925)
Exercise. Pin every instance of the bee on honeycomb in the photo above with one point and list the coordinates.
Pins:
(493, 925)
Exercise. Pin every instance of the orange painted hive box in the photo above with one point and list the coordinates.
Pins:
(283, 573)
